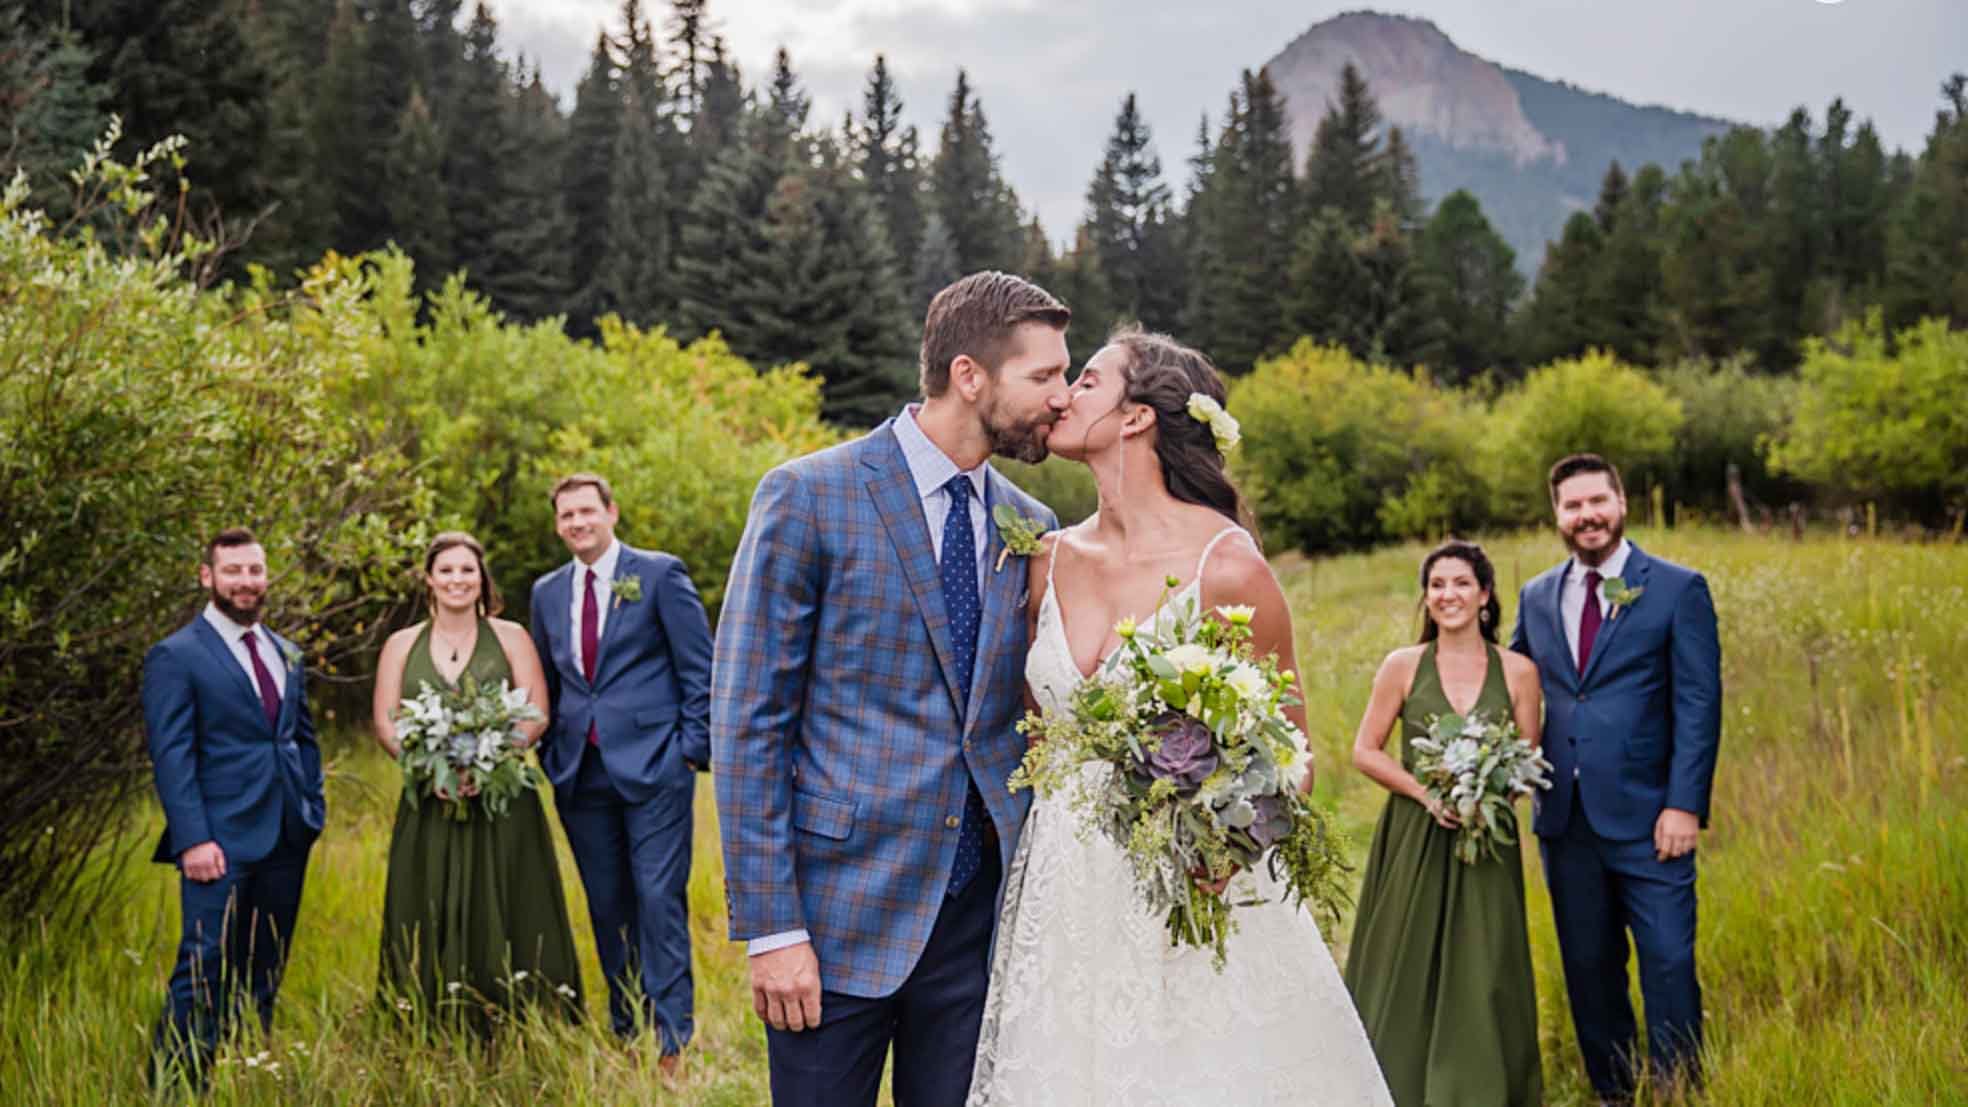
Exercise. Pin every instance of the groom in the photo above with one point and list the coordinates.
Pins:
(239, 774)
(1632, 670)
(869, 662)
(627, 653)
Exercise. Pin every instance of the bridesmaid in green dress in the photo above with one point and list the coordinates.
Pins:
(1440, 964)
(474, 921)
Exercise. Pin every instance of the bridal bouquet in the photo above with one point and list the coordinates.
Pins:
(1477, 766)
(470, 734)
(1178, 750)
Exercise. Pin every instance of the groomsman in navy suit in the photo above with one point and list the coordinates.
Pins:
(1627, 649)
(627, 650)
(239, 774)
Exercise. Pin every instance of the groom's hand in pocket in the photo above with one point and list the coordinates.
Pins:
(786, 987)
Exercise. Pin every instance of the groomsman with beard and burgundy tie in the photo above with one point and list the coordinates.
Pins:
(239, 775)
(627, 652)
(1627, 651)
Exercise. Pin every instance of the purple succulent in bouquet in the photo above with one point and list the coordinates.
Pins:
(1185, 752)
(1273, 822)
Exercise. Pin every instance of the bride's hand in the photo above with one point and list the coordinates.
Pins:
(1213, 887)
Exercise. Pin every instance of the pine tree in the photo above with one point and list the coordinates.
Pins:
(528, 266)
(1342, 169)
(1626, 282)
(936, 265)
(969, 193)
(50, 112)
(1400, 181)
(415, 193)
(721, 252)
(1928, 260)
(474, 167)
(1612, 191)
(1127, 205)
(1244, 220)
(588, 180)
(633, 270)
(886, 158)
(1561, 319)
(1469, 283)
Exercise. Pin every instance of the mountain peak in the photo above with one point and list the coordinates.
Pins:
(1425, 83)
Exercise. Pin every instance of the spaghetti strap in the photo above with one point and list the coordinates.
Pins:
(1207, 549)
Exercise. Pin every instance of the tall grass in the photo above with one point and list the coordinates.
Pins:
(1834, 881)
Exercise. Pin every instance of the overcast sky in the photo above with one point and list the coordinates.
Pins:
(1052, 72)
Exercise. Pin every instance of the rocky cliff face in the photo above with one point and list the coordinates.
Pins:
(1426, 85)
(1531, 150)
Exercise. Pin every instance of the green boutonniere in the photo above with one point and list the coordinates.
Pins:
(1619, 595)
(625, 590)
(291, 652)
(1021, 535)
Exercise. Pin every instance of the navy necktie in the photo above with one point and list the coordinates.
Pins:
(959, 570)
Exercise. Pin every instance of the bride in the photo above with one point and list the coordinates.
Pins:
(1088, 1002)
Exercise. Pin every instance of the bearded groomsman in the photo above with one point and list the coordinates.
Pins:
(1627, 650)
(627, 650)
(239, 774)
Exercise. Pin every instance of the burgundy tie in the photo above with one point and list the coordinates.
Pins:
(590, 641)
(1589, 618)
(269, 691)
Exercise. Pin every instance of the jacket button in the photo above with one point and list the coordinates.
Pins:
(951, 822)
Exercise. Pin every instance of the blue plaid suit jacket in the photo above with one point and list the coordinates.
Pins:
(839, 756)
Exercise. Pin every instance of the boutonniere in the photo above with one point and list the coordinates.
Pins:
(1619, 595)
(625, 590)
(291, 653)
(1020, 535)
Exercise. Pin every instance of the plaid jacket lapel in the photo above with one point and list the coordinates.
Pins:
(1002, 586)
(900, 508)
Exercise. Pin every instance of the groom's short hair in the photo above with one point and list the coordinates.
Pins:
(978, 315)
(1574, 464)
(581, 480)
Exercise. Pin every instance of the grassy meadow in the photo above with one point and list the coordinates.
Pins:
(1834, 882)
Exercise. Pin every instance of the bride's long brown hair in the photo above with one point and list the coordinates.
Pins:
(1162, 373)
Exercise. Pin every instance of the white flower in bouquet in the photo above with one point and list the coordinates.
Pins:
(1179, 751)
(466, 740)
(1477, 766)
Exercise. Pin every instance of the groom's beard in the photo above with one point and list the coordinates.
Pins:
(1020, 441)
(1615, 532)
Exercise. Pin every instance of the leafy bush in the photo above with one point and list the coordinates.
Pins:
(493, 413)
(1064, 486)
(1338, 453)
(138, 415)
(1592, 403)
(1727, 414)
(1873, 422)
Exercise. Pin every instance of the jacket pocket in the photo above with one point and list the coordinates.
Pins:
(829, 818)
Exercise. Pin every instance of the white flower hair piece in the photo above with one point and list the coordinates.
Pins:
(1223, 426)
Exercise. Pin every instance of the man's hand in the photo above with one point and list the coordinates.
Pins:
(1675, 833)
(786, 987)
(204, 862)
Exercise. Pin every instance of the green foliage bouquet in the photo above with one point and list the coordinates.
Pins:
(1477, 766)
(464, 746)
(1179, 751)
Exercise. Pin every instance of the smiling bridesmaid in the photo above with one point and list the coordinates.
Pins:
(1440, 964)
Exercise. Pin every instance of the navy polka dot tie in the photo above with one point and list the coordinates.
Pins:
(965, 611)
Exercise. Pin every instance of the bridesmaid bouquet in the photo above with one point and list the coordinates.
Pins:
(1477, 766)
(1179, 751)
(470, 734)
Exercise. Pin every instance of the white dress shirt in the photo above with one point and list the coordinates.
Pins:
(604, 574)
(931, 469)
(269, 650)
(1571, 598)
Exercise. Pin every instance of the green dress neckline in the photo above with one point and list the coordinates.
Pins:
(487, 663)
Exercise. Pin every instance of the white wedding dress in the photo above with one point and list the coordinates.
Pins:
(1090, 1005)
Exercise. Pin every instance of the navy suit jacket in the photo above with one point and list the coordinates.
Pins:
(1637, 732)
(650, 701)
(224, 775)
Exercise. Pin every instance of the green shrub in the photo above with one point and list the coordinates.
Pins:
(1592, 403)
(1874, 422)
(1064, 486)
(493, 413)
(1338, 453)
(1727, 413)
(138, 415)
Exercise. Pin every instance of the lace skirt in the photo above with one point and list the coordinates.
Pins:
(1089, 1004)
